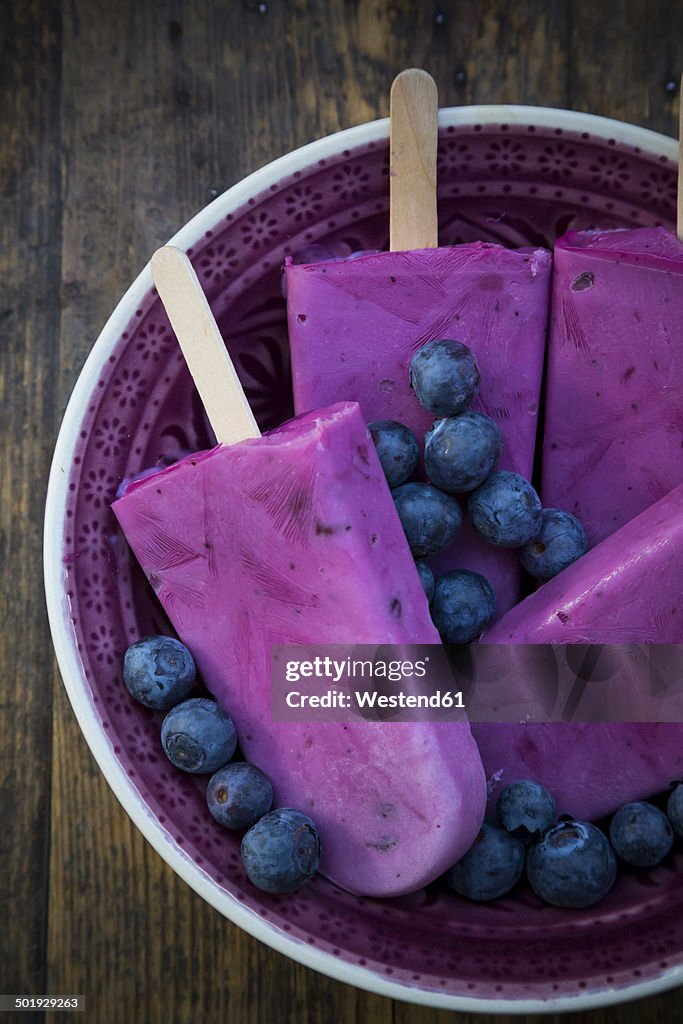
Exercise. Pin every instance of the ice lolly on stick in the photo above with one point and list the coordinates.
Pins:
(354, 324)
(628, 589)
(614, 395)
(293, 538)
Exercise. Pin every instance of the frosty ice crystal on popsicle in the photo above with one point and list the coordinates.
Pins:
(293, 538)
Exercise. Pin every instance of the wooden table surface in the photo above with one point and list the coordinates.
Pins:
(119, 119)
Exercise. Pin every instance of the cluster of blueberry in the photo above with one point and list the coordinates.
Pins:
(281, 849)
(568, 863)
(460, 454)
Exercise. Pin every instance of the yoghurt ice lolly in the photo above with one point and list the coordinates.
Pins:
(354, 325)
(628, 589)
(293, 538)
(614, 394)
(612, 454)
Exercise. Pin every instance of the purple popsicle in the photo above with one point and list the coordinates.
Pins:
(614, 395)
(293, 537)
(354, 326)
(627, 589)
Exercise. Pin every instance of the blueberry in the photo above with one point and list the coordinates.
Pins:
(238, 795)
(281, 851)
(526, 809)
(505, 509)
(491, 867)
(198, 736)
(397, 448)
(560, 540)
(674, 809)
(445, 376)
(573, 865)
(461, 451)
(641, 834)
(430, 518)
(464, 603)
(158, 671)
(426, 579)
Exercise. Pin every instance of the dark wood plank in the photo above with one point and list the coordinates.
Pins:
(622, 57)
(29, 293)
(194, 95)
(499, 52)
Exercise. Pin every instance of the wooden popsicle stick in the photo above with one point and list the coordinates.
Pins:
(205, 353)
(679, 208)
(413, 145)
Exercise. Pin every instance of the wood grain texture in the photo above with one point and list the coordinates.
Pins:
(624, 74)
(118, 121)
(199, 337)
(29, 292)
(413, 144)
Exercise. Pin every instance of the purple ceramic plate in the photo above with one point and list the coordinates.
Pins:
(516, 175)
